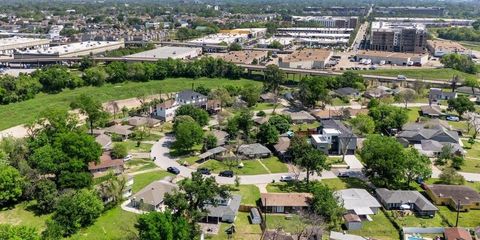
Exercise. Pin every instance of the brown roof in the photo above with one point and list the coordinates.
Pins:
(447, 45)
(244, 57)
(465, 194)
(286, 199)
(167, 104)
(350, 217)
(282, 144)
(308, 54)
(105, 161)
(327, 114)
(456, 233)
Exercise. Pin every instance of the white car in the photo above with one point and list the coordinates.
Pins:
(128, 158)
(286, 179)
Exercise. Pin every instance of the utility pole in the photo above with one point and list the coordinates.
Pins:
(458, 213)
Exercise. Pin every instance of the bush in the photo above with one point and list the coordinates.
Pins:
(119, 150)
(261, 114)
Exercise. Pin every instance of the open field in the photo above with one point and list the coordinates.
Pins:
(379, 228)
(420, 73)
(250, 167)
(27, 111)
(21, 215)
(471, 45)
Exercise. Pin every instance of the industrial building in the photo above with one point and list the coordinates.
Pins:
(245, 56)
(438, 48)
(397, 58)
(306, 59)
(285, 41)
(410, 11)
(168, 52)
(70, 50)
(317, 36)
(398, 37)
(429, 22)
(231, 36)
(9, 45)
(329, 21)
(336, 11)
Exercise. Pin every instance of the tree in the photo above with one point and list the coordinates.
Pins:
(232, 127)
(471, 82)
(198, 114)
(244, 121)
(11, 185)
(46, 194)
(112, 189)
(250, 94)
(461, 105)
(223, 96)
(387, 117)
(406, 95)
(194, 195)
(95, 76)
(383, 162)
(89, 107)
(12, 232)
(362, 124)
(457, 162)
(451, 177)
(267, 134)
(165, 226)
(274, 77)
(55, 79)
(476, 25)
(235, 47)
(275, 44)
(312, 90)
(280, 122)
(187, 134)
(209, 142)
(314, 161)
(76, 210)
(417, 165)
(326, 204)
(459, 62)
(86, 62)
(119, 151)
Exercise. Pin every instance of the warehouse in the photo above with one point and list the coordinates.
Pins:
(393, 57)
(231, 36)
(9, 45)
(306, 59)
(182, 53)
(70, 50)
(438, 48)
(245, 56)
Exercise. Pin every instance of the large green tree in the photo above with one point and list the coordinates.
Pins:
(187, 134)
(461, 105)
(267, 134)
(91, 108)
(250, 94)
(165, 226)
(11, 185)
(198, 114)
(280, 122)
(274, 77)
(313, 90)
(46, 194)
(95, 76)
(416, 166)
(326, 204)
(388, 117)
(306, 157)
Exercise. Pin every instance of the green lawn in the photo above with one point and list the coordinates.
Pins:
(471, 45)
(335, 160)
(132, 146)
(21, 215)
(413, 114)
(245, 230)
(419, 73)
(305, 126)
(264, 106)
(275, 165)
(344, 183)
(142, 180)
(113, 224)
(251, 167)
(472, 159)
(27, 111)
(466, 219)
(413, 221)
(190, 160)
(250, 193)
(136, 165)
(379, 228)
(339, 102)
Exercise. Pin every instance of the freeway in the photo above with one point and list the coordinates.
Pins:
(313, 72)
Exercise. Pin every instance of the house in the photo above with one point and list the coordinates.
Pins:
(104, 140)
(214, 106)
(454, 196)
(281, 148)
(378, 92)
(137, 121)
(225, 211)
(432, 148)
(352, 221)
(268, 97)
(334, 137)
(456, 233)
(358, 202)
(165, 111)
(123, 131)
(105, 165)
(437, 130)
(437, 94)
(344, 236)
(191, 97)
(255, 150)
(151, 198)
(299, 117)
(433, 111)
(284, 202)
(337, 114)
(406, 200)
(212, 153)
(347, 92)
(221, 136)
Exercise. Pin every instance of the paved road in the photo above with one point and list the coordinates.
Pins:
(164, 160)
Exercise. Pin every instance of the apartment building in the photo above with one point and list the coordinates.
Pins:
(398, 37)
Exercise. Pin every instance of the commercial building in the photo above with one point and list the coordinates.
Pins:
(429, 22)
(306, 59)
(392, 57)
(398, 37)
(168, 52)
(336, 11)
(245, 56)
(329, 21)
(285, 41)
(70, 50)
(317, 36)
(438, 48)
(231, 36)
(9, 45)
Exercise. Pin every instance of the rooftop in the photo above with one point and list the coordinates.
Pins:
(105, 161)
(446, 45)
(388, 54)
(464, 194)
(308, 55)
(395, 26)
(244, 56)
(358, 200)
(13, 41)
(404, 196)
(168, 52)
(154, 192)
(286, 199)
(72, 48)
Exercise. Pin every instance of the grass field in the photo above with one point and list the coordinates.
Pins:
(413, 221)
(344, 183)
(27, 111)
(471, 45)
(379, 228)
(280, 221)
(420, 73)
(250, 193)
(132, 146)
(136, 165)
(142, 180)
(275, 165)
(472, 158)
(250, 167)
(466, 219)
(264, 106)
(21, 215)
(413, 114)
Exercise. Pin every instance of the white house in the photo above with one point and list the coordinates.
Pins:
(166, 110)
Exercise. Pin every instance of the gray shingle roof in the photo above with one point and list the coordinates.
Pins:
(404, 196)
(188, 95)
(253, 149)
(337, 124)
(154, 192)
(231, 207)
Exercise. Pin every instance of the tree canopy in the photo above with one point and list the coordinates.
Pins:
(388, 117)
(165, 226)
(461, 105)
(199, 115)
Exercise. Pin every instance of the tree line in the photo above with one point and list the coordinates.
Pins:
(459, 34)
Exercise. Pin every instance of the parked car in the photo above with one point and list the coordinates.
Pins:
(401, 77)
(286, 179)
(226, 173)
(204, 171)
(343, 175)
(453, 118)
(173, 170)
(128, 158)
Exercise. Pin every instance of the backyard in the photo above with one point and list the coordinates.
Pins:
(379, 228)
(250, 194)
(244, 230)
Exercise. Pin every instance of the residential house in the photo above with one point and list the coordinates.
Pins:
(343, 113)
(255, 150)
(214, 106)
(268, 97)
(378, 92)
(437, 94)
(191, 97)
(347, 92)
(225, 211)
(334, 138)
(151, 198)
(454, 196)
(221, 136)
(433, 111)
(432, 148)
(105, 165)
(406, 200)
(358, 202)
(166, 110)
(281, 148)
(284, 202)
(437, 130)
(104, 140)
(299, 117)
(124, 131)
(137, 121)
(457, 233)
(212, 153)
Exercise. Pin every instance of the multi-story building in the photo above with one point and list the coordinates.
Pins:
(336, 11)
(398, 37)
(329, 21)
(410, 11)
(166, 110)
